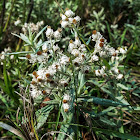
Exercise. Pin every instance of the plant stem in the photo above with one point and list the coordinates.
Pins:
(24, 14)
(31, 9)
(8, 19)
(3, 13)
(57, 121)
(34, 128)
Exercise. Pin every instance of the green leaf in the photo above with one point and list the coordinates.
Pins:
(42, 115)
(101, 101)
(52, 102)
(105, 111)
(102, 88)
(123, 87)
(118, 134)
(39, 33)
(24, 52)
(82, 82)
(122, 100)
(9, 89)
(64, 128)
(123, 36)
(88, 41)
(109, 31)
(107, 122)
(106, 63)
(23, 37)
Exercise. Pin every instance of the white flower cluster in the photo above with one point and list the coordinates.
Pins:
(3, 55)
(58, 65)
(33, 27)
(50, 33)
(46, 79)
(40, 57)
(103, 50)
(68, 19)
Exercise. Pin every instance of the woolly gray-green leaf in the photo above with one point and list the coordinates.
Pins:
(64, 128)
(40, 33)
(101, 101)
(42, 115)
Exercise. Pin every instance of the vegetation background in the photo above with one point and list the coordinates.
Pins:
(117, 20)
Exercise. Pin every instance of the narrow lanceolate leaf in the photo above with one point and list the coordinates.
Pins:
(106, 63)
(101, 101)
(102, 88)
(123, 37)
(24, 52)
(7, 81)
(88, 41)
(52, 102)
(23, 37)
(64, 128)
(81, 81)
(124, 136)
(107, 122)
(42, 115)
(40, 33)
(123, 87)
(12, 129)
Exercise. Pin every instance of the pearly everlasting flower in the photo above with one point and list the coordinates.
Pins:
(96, 35)
(77, 18)
(82, 48)
(32, 58)
(63, 17)
(33, 27)
(111, 51)
(42, 58)
(2, 57)
(94, 58)
(57, 34)
(77, 42)
(45, 47)
(97, 73)
(66, 107)
(17, 22)
(56, 48)
(7, 50)
(41, 72)
(66, 98)
(115, 70)
(98, 47)
(49, 32)
(86, 69)
(102, 71)
(71, 20)
(64, 60)
(102, 54)
(65, 24)
(75, 52)
(114, 58)
(71, 46)
(64, 82)
(51, 70)
(35, 93)
(69, 13)
(12, 57)
(77, 61)
(122, 51)
(120, 76)
(56, 66)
